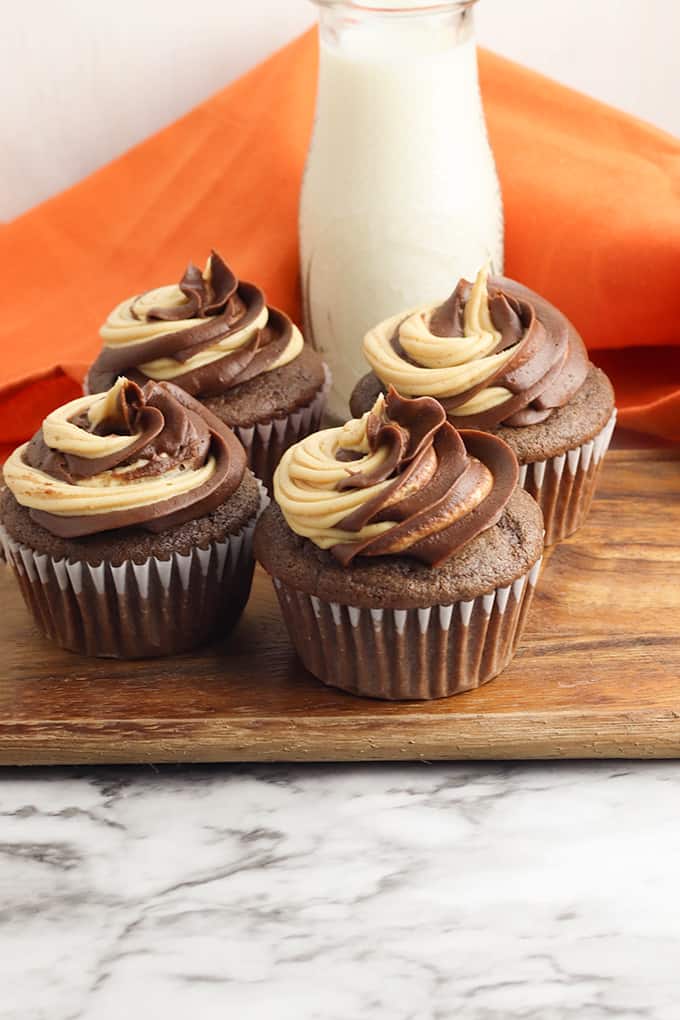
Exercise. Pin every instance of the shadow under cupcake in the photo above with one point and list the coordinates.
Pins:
(503, 359)
(403, 554)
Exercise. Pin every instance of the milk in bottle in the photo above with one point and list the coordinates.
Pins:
(400, 195)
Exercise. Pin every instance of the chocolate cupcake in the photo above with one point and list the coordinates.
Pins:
(502, 359)
(128, 520)
(216, 338)
(403, 553)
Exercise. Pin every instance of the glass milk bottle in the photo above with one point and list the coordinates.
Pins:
(400, 195)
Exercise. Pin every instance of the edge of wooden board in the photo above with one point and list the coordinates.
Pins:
(613, 734)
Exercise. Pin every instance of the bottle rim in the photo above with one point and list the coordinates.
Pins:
(385, 7)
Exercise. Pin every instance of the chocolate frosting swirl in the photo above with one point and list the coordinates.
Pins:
(207, 335)
(152, 458)
(512, 361)
(399, 481)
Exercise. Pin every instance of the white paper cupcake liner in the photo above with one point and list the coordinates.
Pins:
(399, 654)
(137, 610)
(266, 442)
(564, 486)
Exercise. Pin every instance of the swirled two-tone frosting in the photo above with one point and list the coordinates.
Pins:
(398, 481)
(492, 355)
(207, 334)
(151, 457)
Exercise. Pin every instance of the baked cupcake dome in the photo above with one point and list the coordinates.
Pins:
(499, 357)
(402, 552)
(128, 520)
(216, 338)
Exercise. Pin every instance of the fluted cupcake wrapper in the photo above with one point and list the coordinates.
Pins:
(564, 486)
(404, 654)
(137, 610)
(266, 442)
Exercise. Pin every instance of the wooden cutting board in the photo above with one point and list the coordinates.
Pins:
(597, 675)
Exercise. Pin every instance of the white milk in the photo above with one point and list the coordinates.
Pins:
(400, 196)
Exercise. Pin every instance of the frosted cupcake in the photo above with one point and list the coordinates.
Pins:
(502, 359)
(128, 521)
(403, 553)
(216, 338)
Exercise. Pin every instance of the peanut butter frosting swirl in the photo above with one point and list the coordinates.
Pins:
(401, 480)
(493, 353)
(207, 334)
(151, 457)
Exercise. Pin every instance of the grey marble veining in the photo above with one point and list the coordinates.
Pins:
(395, 892)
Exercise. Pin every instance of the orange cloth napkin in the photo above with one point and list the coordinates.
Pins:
(592, 204)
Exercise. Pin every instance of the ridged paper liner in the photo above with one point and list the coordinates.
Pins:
(402, 654)
(266, 442)
(137, 610)
(564, 486)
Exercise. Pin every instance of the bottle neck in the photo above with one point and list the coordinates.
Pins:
(395, 29)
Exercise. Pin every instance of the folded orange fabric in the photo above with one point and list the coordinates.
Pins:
(592, 203)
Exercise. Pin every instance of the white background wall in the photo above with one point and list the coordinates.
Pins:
(82, 80)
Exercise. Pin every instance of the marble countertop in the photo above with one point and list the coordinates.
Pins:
(395, 892)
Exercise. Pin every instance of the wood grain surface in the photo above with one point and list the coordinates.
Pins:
(597, 674)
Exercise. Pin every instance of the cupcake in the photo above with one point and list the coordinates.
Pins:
(128, 520)
(217, 338)
(403, 553)
(502, 359)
